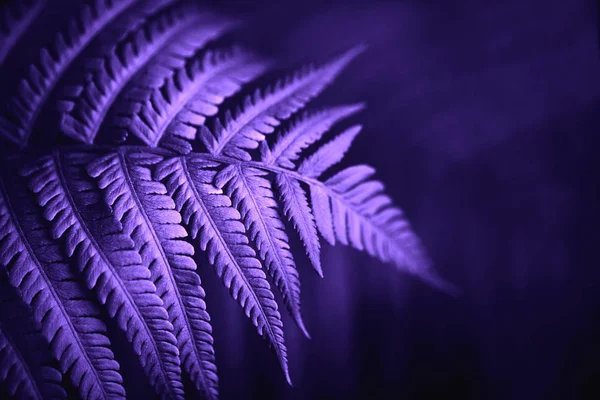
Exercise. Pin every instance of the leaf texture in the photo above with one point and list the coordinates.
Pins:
(177, 24)
(109, 263)
(41, 77)
(252, 194)
(150, 219)
(296, 208)
(69, 319)
(357, 210)
(263, 111)
(212, 220)
(329, 154)
(307, 130)
(192, 93)
(101, 231)
(177, 54)
(26, 365)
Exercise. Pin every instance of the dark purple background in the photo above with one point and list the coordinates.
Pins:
(482, 119)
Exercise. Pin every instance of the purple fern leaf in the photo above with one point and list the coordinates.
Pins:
(150, 219)
(191, 94)
(363, 216)
(296, 208)
(252, 194)
(178, 53)
(109, 264)
(172, 25)
(306, 130)
(329, 154)
(105, 225)
(321, 202)
(33, 91)
(69, 321)
(321, 207)
(264, 111)
(217, 225)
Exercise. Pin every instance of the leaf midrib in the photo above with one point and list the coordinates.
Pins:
(158, 245)
(47, 280)
(264, 224)
(96, 246)
(267, 324)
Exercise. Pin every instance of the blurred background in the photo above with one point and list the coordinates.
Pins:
(482, 119)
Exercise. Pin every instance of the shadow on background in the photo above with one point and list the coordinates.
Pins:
(482, 119)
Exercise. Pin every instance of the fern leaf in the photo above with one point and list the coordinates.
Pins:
(329, 154)
(252, 195)
(69, 321)
(191, 94)
(109, 264)
(348, 208)
(321, 203)
(150, 219)
(262, 112)
(15, 19)
(121, 62)
(296, 208)
(177, 54)
(356, 208)
(41, 77)
(25, 360)
(216, 224)
(307, 130)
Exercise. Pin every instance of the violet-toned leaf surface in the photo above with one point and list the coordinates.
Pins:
(152, 153)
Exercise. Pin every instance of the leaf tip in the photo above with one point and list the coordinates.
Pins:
(318, 269)
(288, 379)
(343, 60)
(356, 107)
(431, 277)
(300, 323)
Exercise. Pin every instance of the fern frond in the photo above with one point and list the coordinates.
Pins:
(150, 219)
(264, 111)
(69, 321)
(171, 25)
(329, 154)
(95, 233)
(25, 361)
(191, 94)
(176, 55)
(295, 207)
(223, 72)
(362, 215)
(15, 19)
(347, 208)
(212, 220)
(252, 194)
(352, 209)
(41, 77)
(307, 130)
(111, 267)
(321, 208)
